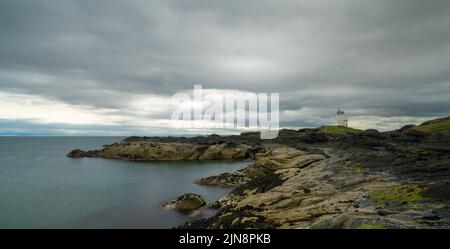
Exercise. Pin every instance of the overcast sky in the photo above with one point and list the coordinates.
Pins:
(111, 67)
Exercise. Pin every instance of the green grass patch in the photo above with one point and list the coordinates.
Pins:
(333, 129)
(399, 193)
(438, 127)
(372, 225)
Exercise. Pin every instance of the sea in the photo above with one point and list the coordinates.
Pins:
(42, 188)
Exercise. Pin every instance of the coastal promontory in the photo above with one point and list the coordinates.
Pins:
(328, 177)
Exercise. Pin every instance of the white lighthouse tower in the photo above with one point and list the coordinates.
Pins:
(341, 118)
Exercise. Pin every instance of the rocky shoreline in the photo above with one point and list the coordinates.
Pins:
(312, 178)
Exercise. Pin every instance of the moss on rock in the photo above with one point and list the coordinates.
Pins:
(399, 193)
(372, 225)
(323, 224)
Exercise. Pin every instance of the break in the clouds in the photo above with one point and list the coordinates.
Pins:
(111, 67)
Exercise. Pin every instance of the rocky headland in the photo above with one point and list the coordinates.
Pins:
(329, 177)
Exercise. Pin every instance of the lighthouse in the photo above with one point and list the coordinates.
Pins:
(341, 119)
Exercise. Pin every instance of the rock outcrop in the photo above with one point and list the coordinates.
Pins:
(80, 153)
(276, 157)
(186, 202)
(311, 178)
(167, 151)
(334, 192)
(368, 180)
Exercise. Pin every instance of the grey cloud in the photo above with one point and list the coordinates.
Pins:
(390, 58)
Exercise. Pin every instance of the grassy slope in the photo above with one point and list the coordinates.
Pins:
(438, 125)
(338, 129)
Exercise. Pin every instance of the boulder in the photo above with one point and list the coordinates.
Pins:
(186, 202)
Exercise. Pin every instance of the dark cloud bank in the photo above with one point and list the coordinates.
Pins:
(376, 59)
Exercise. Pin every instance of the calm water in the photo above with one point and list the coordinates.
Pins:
(41, 188)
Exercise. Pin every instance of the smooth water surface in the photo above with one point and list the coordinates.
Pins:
(42, 188)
